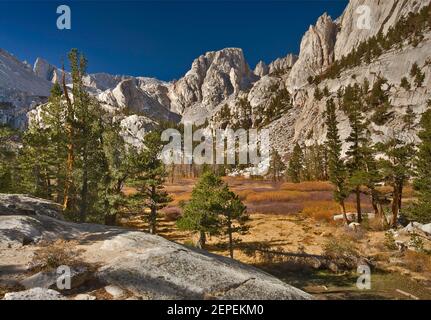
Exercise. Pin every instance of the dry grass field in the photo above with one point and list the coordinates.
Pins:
(298, 218)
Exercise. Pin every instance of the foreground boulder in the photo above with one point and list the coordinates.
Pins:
(18, 204)
(35, 294)
(146, 266)
(155, 268)
(24, 230)
(416, 227)
(48, 279)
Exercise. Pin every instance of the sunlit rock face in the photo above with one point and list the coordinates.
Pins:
(283, 65)
(354, 27)
(213, 78)
(20, 90)
(261, 69)
(316, 54)
(331, 40)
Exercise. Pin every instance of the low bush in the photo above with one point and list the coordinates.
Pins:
(172, 213)
(59, 253)
(417, 261)
(390, 241)
(342, 252)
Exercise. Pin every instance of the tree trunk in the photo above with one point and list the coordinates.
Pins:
(84, 194)
(400, 195)
(153, 220)
(153, 213)
(343, 211)
(172, 173)
(70, 149)
(395, 206)
(358, 204)
(202, 240)
(382, 216)
(229, 231)
(47, 184)
(60, 184)
(68, 180)
(375, 202)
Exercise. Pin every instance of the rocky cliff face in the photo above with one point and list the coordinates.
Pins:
(95, 81)
(214, 78)
(47, 71)
(305, 122)
(138, 94)
(278, 66)
(383, 15)
(20, 90)
(263, 91)
(143, 96)
(317, 52)
(261, 69)
(283, 65)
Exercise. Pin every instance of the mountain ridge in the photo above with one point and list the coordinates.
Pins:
(223, 78)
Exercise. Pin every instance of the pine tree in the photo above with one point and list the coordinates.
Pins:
(324, 164)
(8, 156)
(326, 92)
(245, 114)
(295, 167)
(149, 178)
(372, 177)
(119, 158)
(396, 169)
(337, 169)
(70, 152)
(315, 163)
(353, 105)
(53, 116)
(43, 155)
(90, 160)
(86, 164)
(417, 75)
(378, 101)
(310, 79)
(318, 95)
(62, 156)
(231, 214)
(277, 166)
(69, 124)
(200, 214)
(366, 86)
(409, 119)
(421, 211)
(279, 104)
(35, 162)
(405, 84)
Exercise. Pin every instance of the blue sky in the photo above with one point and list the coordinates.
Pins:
(158, 38)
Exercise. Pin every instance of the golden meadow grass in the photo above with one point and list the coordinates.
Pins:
(312, 199)
(323, 210)
(307, 186)
(274, 196)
